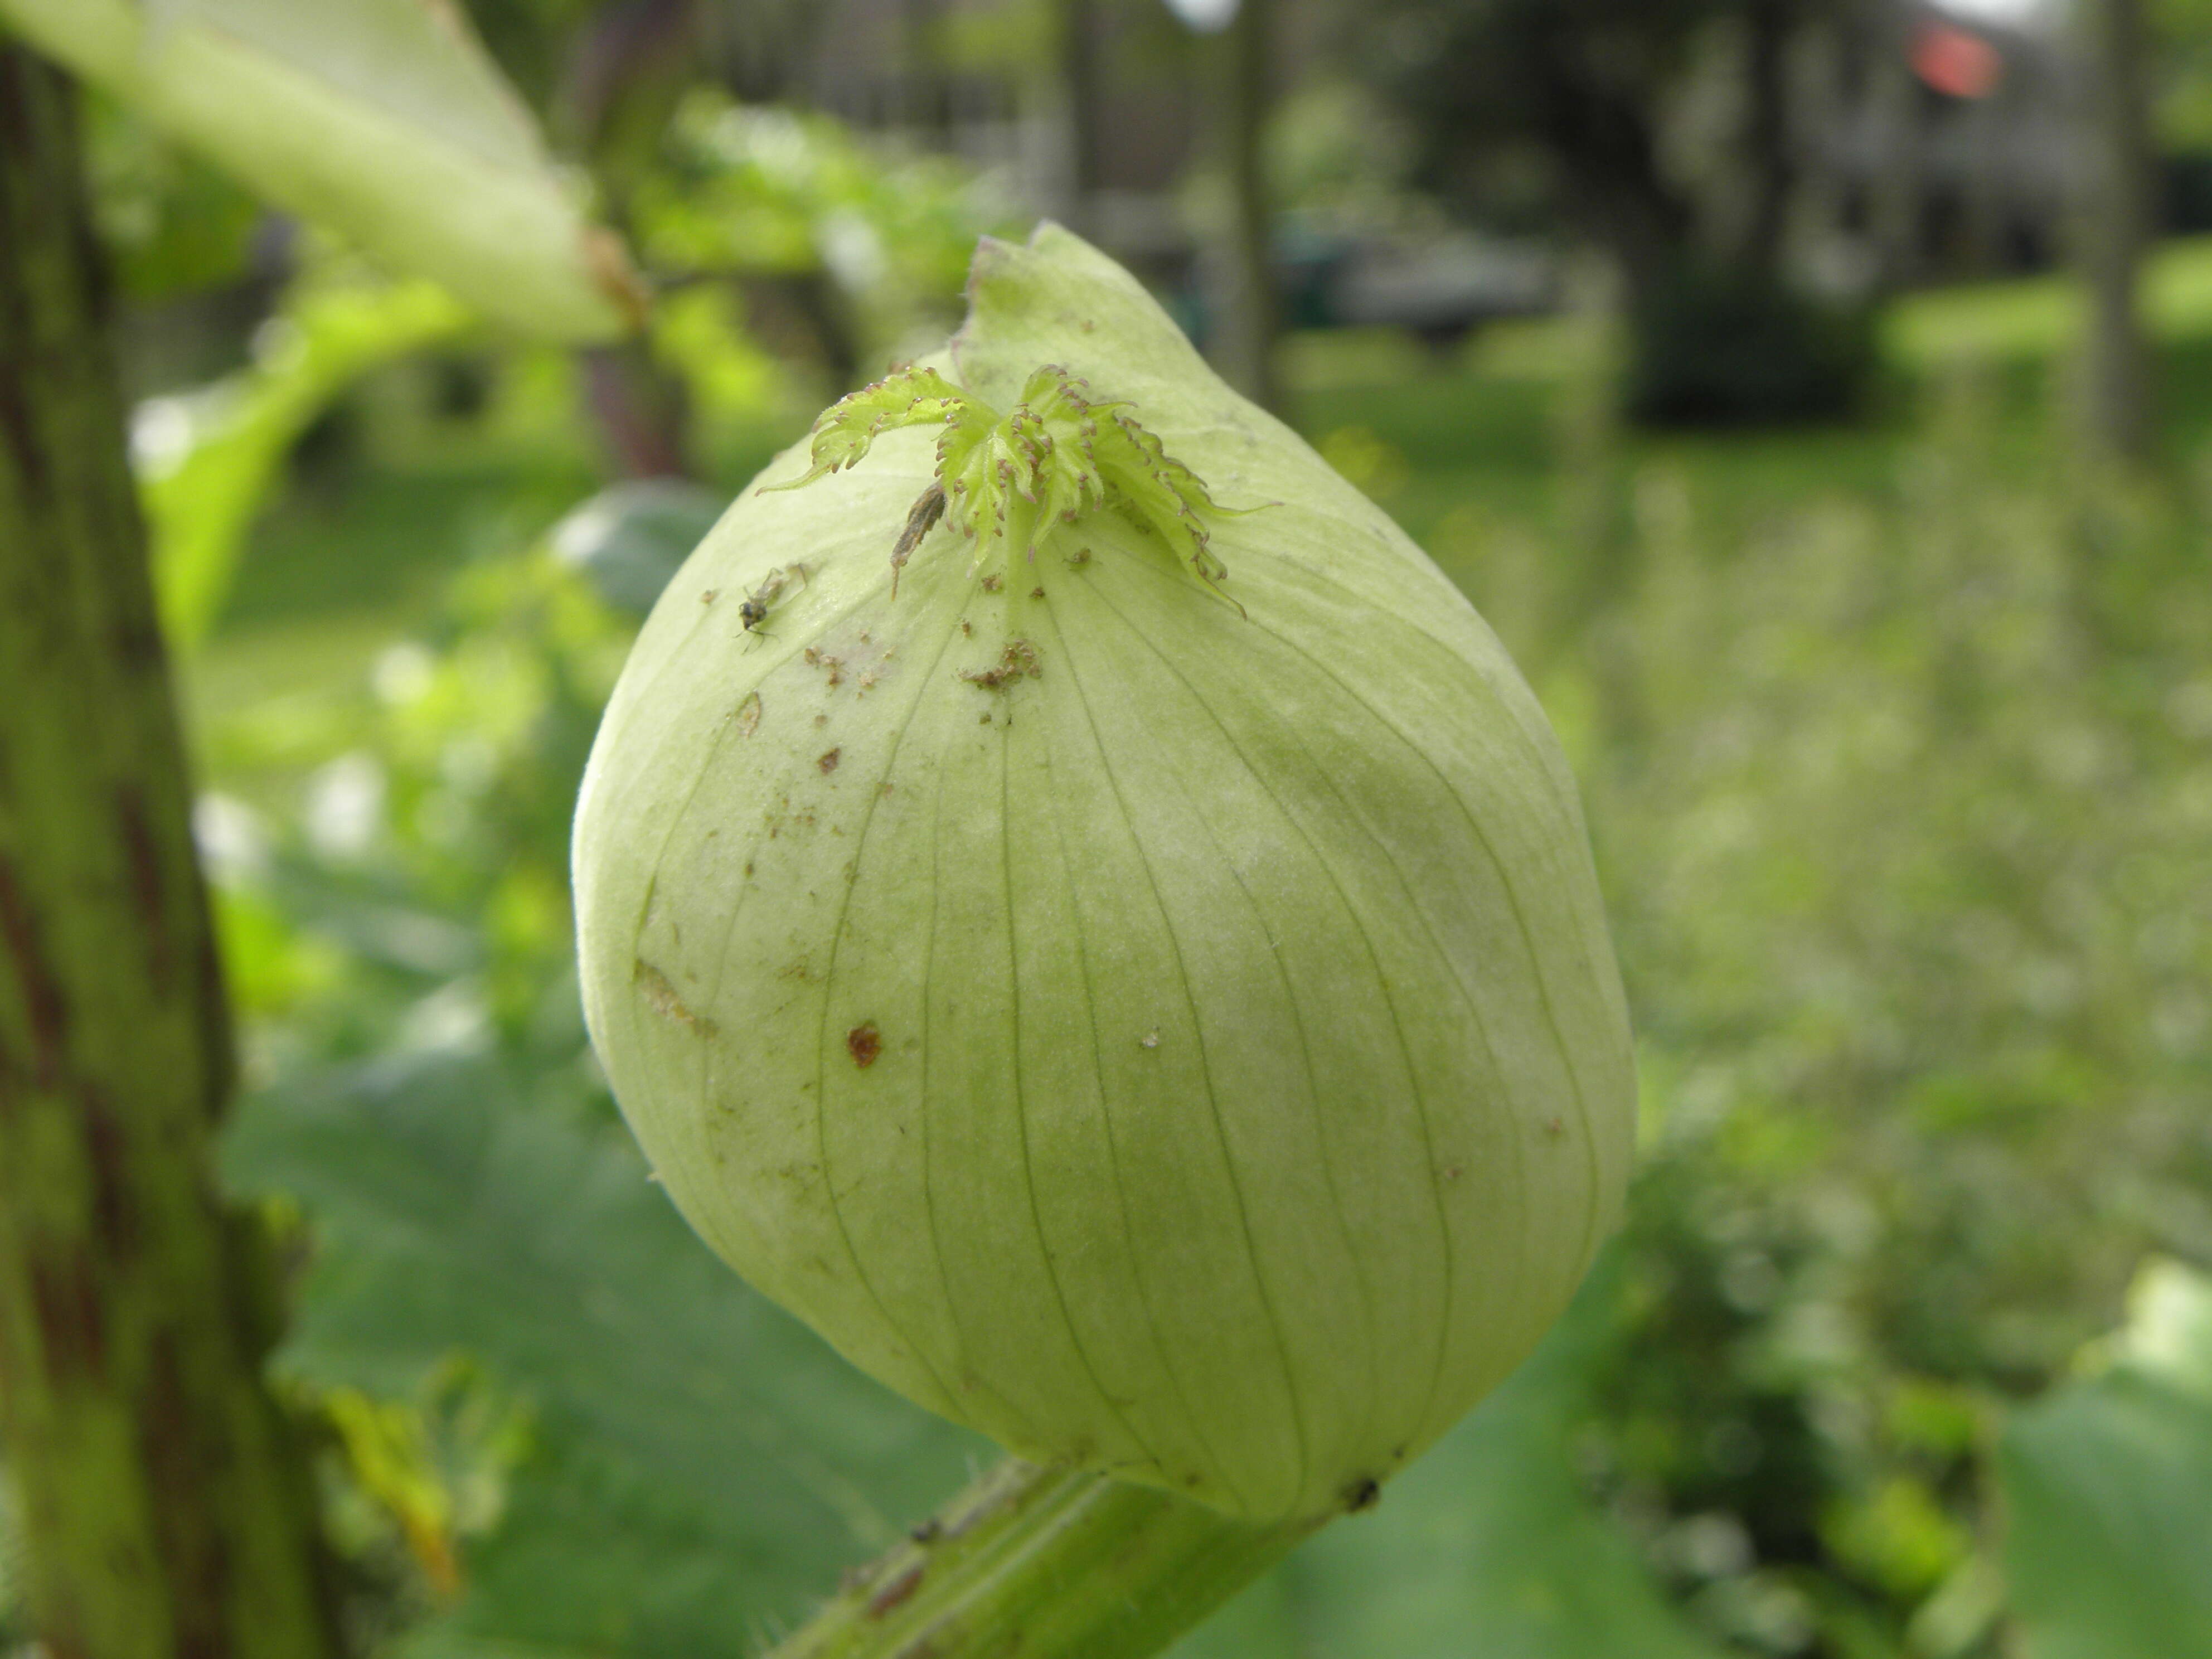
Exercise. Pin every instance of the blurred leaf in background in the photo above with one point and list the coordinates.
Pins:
(208, 460)
(629, 538)
(172, 222)
(383, 118)
(1897, 743)
(699, 1466)
(1489, 1544)
(771, 196)
(2109, 1483)
(13, 1635)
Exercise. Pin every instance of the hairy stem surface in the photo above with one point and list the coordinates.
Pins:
(165, 1510)
(1046, 1563)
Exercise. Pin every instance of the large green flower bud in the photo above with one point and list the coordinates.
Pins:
(1077, 907)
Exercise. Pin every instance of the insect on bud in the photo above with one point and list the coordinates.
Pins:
(1115, 948)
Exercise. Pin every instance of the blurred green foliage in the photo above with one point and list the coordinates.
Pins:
(1716, 347)
(1897, 751)
(207, 459)
(1896, 741)
(2109, 1551)
(760, 190)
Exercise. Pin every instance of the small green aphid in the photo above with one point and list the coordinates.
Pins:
(753, 612)
(1011, 482)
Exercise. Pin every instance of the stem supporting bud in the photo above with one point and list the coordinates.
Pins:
(1046, 1563)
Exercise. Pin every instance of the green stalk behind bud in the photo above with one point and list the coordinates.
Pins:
(1046, 1562)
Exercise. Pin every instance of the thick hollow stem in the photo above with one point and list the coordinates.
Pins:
(1046, 1563)
(168, 1512)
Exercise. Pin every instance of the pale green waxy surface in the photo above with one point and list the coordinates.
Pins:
(1254, 1083)
(384, 119)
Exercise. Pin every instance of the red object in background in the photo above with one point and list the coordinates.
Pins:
(1956, 62)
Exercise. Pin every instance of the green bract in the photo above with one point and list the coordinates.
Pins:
(1056, 458)
(1170, 1037)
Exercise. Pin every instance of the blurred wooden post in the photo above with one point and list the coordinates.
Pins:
(1250, 312)
(1770, 143)
(2114, 225)
(1894, 101)
(167, 1513)
(1083, 83)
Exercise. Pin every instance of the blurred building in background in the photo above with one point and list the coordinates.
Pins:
(1935, 140)
(1917, 141)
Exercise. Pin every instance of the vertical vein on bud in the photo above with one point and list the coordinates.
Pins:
(1021, 1110)
(700, 618)
(823, 1037)
(1114, 1160)
(1212, 1102)
(1199, 700)
(1326, 776)
(971, 1378)
(1541, 977)
(1359, 1269)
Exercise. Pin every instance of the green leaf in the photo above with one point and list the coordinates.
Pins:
(912, 397)
(208, 461)
(702, 1467)
(1058, 456)
(629, 538)
(384, 119)
(2108, 1482)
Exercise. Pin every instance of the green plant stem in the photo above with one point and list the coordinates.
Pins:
(166, 1512)
(1043, 1563)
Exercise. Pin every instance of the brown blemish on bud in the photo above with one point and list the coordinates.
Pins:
(863, 1042)
(1363, 1493)
(828, 763)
